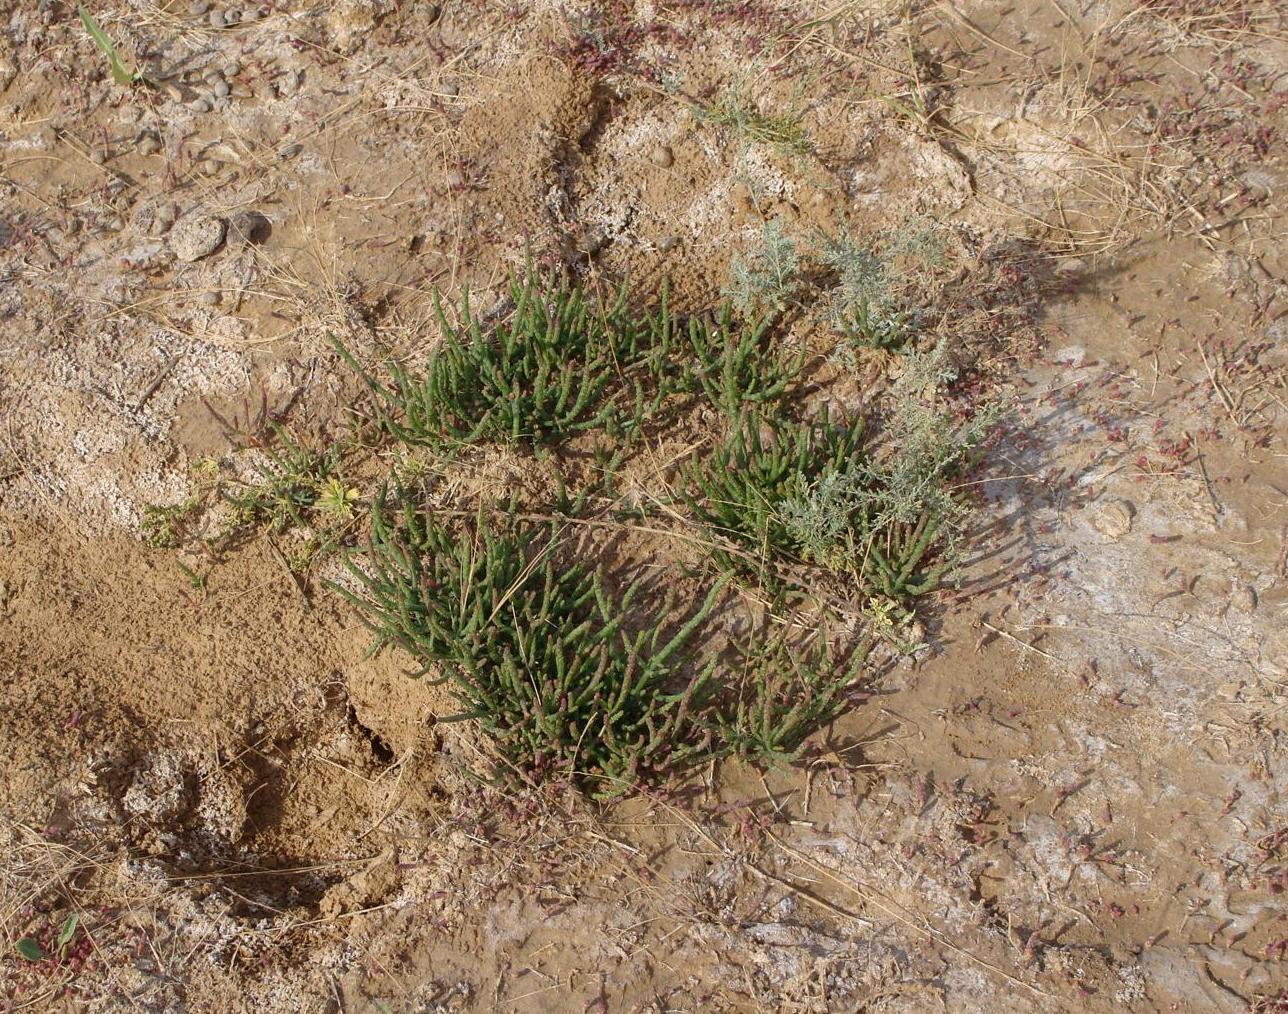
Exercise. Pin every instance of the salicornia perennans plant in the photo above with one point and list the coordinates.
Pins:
(558, 365)
(786, 693)
(537, 648)
(739, 366)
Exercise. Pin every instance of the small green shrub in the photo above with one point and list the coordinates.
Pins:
(557, 366)
(537, 649)
(738, 366)
(737, 112)
(294, 481)
(165, 526)
(786, 695)
(738, 488)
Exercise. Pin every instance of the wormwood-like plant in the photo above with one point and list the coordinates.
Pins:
(843, 521)
(864, 306)
(886, 519)
(739, 113)
(558, 365)
(808, 493)
(738, 367)
(765, 278)
(538, 651)
(785, 695)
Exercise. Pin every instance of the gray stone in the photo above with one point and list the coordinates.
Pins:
(197, 236)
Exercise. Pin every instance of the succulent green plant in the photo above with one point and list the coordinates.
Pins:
(565, 676)
(786, 693)
(559, 364)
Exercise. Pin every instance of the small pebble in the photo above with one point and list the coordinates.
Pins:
(668, 243)
(288, 84)
(222, 89)
(217, 19)
(201, 105)
(663, 157)
(450, 88)
(97, 157)
(209, 299)
(211, 76)
(250, 16)
(163, 219)
(210, 167)
(173, 92)
(232, 69)
(231, 17)
(148, 143)
(1114, 519)
(289, 151)
(200, 7)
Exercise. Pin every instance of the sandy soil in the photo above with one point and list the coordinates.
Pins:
(1071, 800)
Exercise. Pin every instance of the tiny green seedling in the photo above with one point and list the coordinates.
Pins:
(336, 499)
(120, 74)
(195, 580)
(29, 947)
(66, 933)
